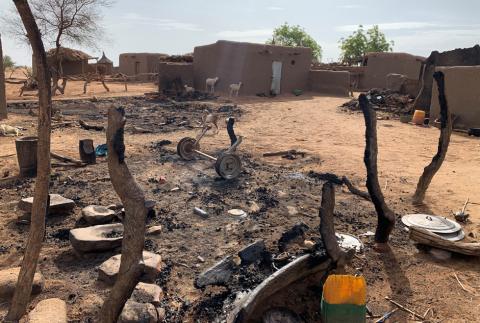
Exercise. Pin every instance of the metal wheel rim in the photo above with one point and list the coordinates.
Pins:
(228, 166)
(185, 148)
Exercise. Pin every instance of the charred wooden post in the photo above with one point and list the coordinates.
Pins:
(86, 82)
(443, 142)
(102, 79)
(327, 228)
(23, 289)
(3, 96)
(386, 217)
(87, 151)
(133, 200)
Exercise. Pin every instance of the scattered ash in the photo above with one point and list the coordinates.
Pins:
(265, 196)
(150, 245)
(60, 235)
(385, 101)
(208, 308)
(114, 234)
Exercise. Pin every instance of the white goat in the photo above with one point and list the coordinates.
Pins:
(6, 130)
(210, 85)
(234, 88)
(189, 89)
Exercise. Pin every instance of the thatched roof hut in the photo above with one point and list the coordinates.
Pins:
(69, 55)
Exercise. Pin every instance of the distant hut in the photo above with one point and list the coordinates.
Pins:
(104, 65)
(74, 62)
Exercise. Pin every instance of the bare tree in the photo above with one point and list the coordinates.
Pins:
(62, 22)
(3, 95)
(40, 200)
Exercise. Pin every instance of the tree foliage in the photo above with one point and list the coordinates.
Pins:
(8, 63)
(295, 36)
(362, 42)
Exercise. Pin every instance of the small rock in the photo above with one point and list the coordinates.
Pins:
(147, 293)
(309, 244)
(461, 217)
(161, 314)
(200, 212)
(115, 207)
(175, 189)
(294, 235)
(58, 204)
(97, 238)
(96, 214)
(134, 312)
(252, 253)
(440, 254)
(292, 210)
(8, 281)
(201, 259)
(254, 208)
(155, 230)
(51, 310)
(218, 274)
(151, 267)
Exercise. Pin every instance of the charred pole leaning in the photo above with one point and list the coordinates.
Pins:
(446, 126)
(3, 95)
(133, 200)
(327, 229)
(23, 289)
(386, 217)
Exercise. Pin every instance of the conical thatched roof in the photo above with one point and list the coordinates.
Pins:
(104, 59)
(68, 54)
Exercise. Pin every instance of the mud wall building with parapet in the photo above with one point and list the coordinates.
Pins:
(462, 89)
(135, 64)
(457, 57)
(261, 68)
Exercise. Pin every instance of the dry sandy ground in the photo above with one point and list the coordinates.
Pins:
(316, 125)
(75, 90)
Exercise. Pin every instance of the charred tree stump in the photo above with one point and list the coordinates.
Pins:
(133, 200)
(327, 228)
(23, 289)
(386, 217)
(443, 142)
(3, 96)
(87, 151)
(85, 84)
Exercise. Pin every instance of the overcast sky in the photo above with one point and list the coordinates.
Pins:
(175, 27)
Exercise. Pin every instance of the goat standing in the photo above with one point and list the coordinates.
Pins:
(210, 85)
(234, 88)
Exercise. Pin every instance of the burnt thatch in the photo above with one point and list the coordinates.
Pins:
(68, 54)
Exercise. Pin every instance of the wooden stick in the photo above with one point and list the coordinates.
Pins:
(133, 199)
(87, 126)
(386, 217)
(355, 190)
(428, 238)
(443, 142)
(327, 229)
(66, 159)
(404, 308)
(23, 288)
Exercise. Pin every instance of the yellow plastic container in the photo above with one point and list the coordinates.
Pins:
(418, 117)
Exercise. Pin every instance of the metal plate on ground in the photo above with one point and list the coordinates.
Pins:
(347, 241)
(456, 236)
(431, 223)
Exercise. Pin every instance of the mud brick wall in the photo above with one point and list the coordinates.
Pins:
(330, 82)
(173, 75)
(462, 88)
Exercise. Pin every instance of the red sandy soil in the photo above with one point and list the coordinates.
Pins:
(334, 141)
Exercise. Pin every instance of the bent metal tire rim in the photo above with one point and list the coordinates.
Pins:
(186, 147)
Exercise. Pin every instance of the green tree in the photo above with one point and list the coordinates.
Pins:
(360, 43)
(8, 63)
(295, 36)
